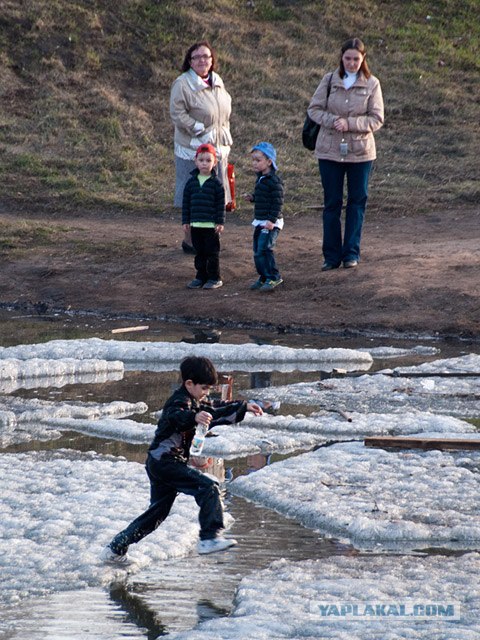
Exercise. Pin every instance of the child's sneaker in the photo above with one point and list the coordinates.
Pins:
(257, 284)
(195, 284)
(110, 557)
(213, 545)
(271, 284)
(213, 284)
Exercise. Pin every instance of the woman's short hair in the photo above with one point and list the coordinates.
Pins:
(197, 45)
(355, 43)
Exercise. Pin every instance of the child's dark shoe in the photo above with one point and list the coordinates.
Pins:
(195, 284)
(257, 284)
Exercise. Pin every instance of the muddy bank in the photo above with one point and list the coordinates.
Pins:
(418, 274)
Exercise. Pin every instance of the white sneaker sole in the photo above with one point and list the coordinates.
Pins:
(108, 557)
(225, 544)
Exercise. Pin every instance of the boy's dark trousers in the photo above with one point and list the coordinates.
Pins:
(168, 477)
(206, 243)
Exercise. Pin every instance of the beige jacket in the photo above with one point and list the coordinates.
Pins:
(361, 105)
(200, 113)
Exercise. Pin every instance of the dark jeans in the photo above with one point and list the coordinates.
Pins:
(207, 261)
(264, 242)
(168, 477)
(333, 175)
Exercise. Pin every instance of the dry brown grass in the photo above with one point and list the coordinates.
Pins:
(84, 96)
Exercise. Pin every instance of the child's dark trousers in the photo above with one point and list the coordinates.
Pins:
(206, 243)
(168, 477)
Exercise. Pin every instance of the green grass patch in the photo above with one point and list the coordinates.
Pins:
(84, 111)
(21, 236)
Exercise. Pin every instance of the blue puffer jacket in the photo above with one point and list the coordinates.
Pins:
(268, 197)
(203, 204)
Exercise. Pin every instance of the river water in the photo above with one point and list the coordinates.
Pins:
(177, 594)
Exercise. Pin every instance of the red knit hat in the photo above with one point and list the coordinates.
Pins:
(206, 148)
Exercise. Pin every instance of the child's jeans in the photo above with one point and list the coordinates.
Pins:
(264, 242)
(168, 477)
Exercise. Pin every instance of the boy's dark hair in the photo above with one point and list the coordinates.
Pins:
(199, 370)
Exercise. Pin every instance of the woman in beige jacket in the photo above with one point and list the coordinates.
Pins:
(200, 109)
(348, 105)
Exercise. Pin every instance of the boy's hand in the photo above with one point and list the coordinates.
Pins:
(203, 417)
(269, 225)
(247, 196)
(186, 227)
(255, 408)
(219, 228)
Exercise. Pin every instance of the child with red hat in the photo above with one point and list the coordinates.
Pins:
(203, 213)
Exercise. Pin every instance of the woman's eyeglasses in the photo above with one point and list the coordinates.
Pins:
(201, 58)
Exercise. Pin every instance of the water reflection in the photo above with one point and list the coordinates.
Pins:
(203, 336)
(58, 381)
(137, 610)
(206, 610)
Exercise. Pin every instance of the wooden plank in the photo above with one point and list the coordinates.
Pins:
(128, 329)
(422, 443)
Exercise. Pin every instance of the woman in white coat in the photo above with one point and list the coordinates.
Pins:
(200, 109)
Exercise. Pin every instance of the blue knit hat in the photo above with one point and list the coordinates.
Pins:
(269, 150)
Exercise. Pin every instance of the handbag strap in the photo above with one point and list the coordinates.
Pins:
(328, 88)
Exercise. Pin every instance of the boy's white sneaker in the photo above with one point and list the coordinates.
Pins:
(213, 545)
(108, 556)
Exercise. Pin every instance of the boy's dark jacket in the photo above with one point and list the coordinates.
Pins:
(268, 196)
(203, 204)
(176, 426)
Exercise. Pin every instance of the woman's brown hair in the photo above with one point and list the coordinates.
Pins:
(197, 45)
(355, 43)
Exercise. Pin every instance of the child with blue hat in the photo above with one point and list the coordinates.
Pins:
(268, 218)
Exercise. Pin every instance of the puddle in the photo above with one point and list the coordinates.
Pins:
(173, 595)
(177, 595)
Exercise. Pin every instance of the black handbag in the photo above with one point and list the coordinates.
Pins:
(310, 133)
(311, 128)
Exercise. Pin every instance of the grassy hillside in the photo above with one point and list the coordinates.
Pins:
(84, 89)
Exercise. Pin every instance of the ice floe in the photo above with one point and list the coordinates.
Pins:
(305, 600)
(122, 430)
(33, 409)
(59, 508)
(161, 356)
(269, 434)
(361, 424)
(403, 498)
(463, 364)
(23, 420)
(36, 372)
(398, 352)
(264, 434)
(384, 394)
